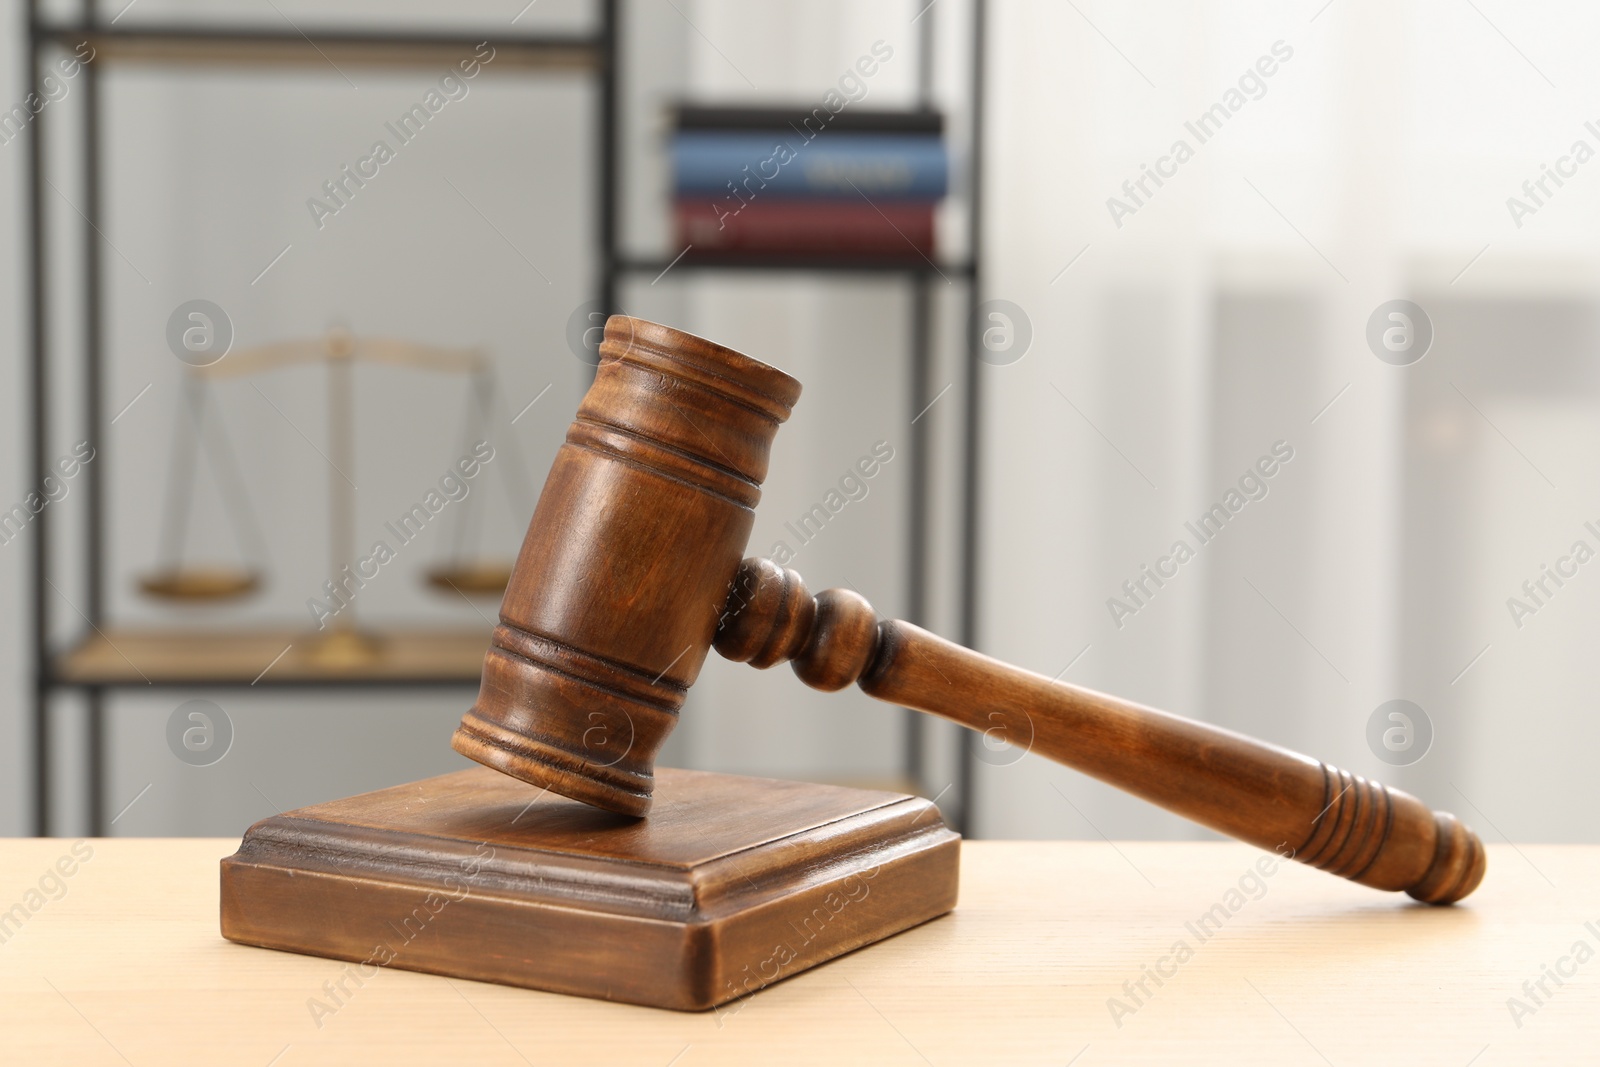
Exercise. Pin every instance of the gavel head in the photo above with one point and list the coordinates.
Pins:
(627, 563)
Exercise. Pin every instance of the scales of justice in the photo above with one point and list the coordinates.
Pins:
(184, 577)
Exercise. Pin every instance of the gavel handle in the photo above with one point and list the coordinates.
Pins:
(1256, 792)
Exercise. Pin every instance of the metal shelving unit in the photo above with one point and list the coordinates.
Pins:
(919, 276)
(591, 55)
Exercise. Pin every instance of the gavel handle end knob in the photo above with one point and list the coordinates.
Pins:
(1459, 862)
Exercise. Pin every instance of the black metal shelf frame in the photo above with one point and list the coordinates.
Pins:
(593, 55)
(227, 44)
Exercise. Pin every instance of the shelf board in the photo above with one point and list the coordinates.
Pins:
(135, 657)
(229, 45)
(798, 264)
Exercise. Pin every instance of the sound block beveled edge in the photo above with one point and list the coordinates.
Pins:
(735, 883)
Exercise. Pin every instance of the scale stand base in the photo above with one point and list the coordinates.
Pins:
(343, 648)
(730, 885)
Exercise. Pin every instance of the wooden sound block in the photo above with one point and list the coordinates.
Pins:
(731, 884)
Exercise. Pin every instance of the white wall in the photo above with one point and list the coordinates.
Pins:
(1221, 317)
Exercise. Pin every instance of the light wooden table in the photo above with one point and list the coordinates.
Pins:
(127, 967)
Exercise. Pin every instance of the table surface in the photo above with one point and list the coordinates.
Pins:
(125, 966)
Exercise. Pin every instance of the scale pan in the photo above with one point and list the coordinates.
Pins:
(473, 579)
(200, 584)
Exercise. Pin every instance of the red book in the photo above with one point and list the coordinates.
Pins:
(887, 229)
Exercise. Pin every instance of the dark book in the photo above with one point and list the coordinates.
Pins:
(821, 228)
(814, 117)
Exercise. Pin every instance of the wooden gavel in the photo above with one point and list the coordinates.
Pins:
(631, 571)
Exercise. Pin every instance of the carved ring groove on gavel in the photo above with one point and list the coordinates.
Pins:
(631, 571)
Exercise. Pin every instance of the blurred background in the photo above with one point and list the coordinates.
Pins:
(1306, 288)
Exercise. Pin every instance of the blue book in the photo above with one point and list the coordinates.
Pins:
(832, 164)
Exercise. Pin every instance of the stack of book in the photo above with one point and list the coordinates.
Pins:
(792, 184)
